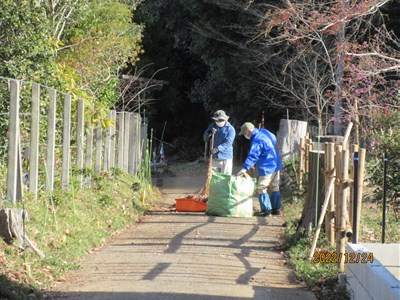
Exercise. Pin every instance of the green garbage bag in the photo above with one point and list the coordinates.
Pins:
(230, 196)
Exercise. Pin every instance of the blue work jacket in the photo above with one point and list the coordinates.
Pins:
(223, 140)
(263, 153)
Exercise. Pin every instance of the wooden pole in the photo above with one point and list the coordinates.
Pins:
(80, 121)
(143, 139)
(13, 133)
(138, 151)
(66, 142)
(99, 148)
(113, 139)
(127, 118)
(107, 145)
(89, 153)
(331, 171)
(322, 216)
(34, 143)
(51, 140)
(338, 193)
(360, 183)
(132, 144)
(89, 149)
(121, 122)
(347, 135)
(354, 148)
(80, 134)
(343, 207)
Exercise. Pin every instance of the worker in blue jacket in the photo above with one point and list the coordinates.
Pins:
(264, 154)
(222, 150)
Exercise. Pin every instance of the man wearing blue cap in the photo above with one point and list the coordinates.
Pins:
(264, 154)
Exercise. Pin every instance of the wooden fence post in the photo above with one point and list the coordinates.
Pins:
(132, 144)
(13, 136)
(354, 148)
(113, 139)
(51, 140)
(143, 142)
(138, 151)
(127, 118)
(338, 193)
(107, 145)
(80, 132)
(331, 171)
(360, 184)
(89, 149)
(99, 147)
(347, 135)
(66, 142)
(344, 189)
(34, 141)
(121, 126)
(89, 153)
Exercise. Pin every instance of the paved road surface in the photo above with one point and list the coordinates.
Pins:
(182, 256)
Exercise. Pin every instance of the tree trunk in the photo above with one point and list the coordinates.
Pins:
(12, 227)
(288, 137)
(315, 195)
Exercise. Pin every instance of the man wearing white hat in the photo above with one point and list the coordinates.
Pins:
(224, 134)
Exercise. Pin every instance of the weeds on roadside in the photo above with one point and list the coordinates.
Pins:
(321, 278)
(66, 225)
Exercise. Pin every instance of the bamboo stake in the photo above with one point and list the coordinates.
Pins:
(338, 193)
(343, 207)
(326, 185)
(322, 216)
(354, 148)
(360, 184)
(330, 157)
(347, 135)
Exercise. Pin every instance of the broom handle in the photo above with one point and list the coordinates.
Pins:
(209, 170)
(211, 145)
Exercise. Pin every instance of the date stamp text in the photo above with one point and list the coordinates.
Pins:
(348, 258)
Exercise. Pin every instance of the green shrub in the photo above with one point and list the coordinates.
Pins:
(385, 140)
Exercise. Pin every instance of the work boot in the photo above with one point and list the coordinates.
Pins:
(276, 203)
(276, 212)
(265, 203)
(263, 213)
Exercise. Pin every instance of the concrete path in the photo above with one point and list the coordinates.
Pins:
(182, 256)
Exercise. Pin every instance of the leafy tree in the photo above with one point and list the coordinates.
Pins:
(78, 47)
(97, 46)
(385, 141)
(27, 48)
(186, 40)
(358, 64)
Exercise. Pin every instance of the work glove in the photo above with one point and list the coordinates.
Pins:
(241, 172)
(214, 151)
(213, 130)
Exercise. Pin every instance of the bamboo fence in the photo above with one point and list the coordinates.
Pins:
(331, 200)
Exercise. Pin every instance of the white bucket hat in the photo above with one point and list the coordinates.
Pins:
(220, 114)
